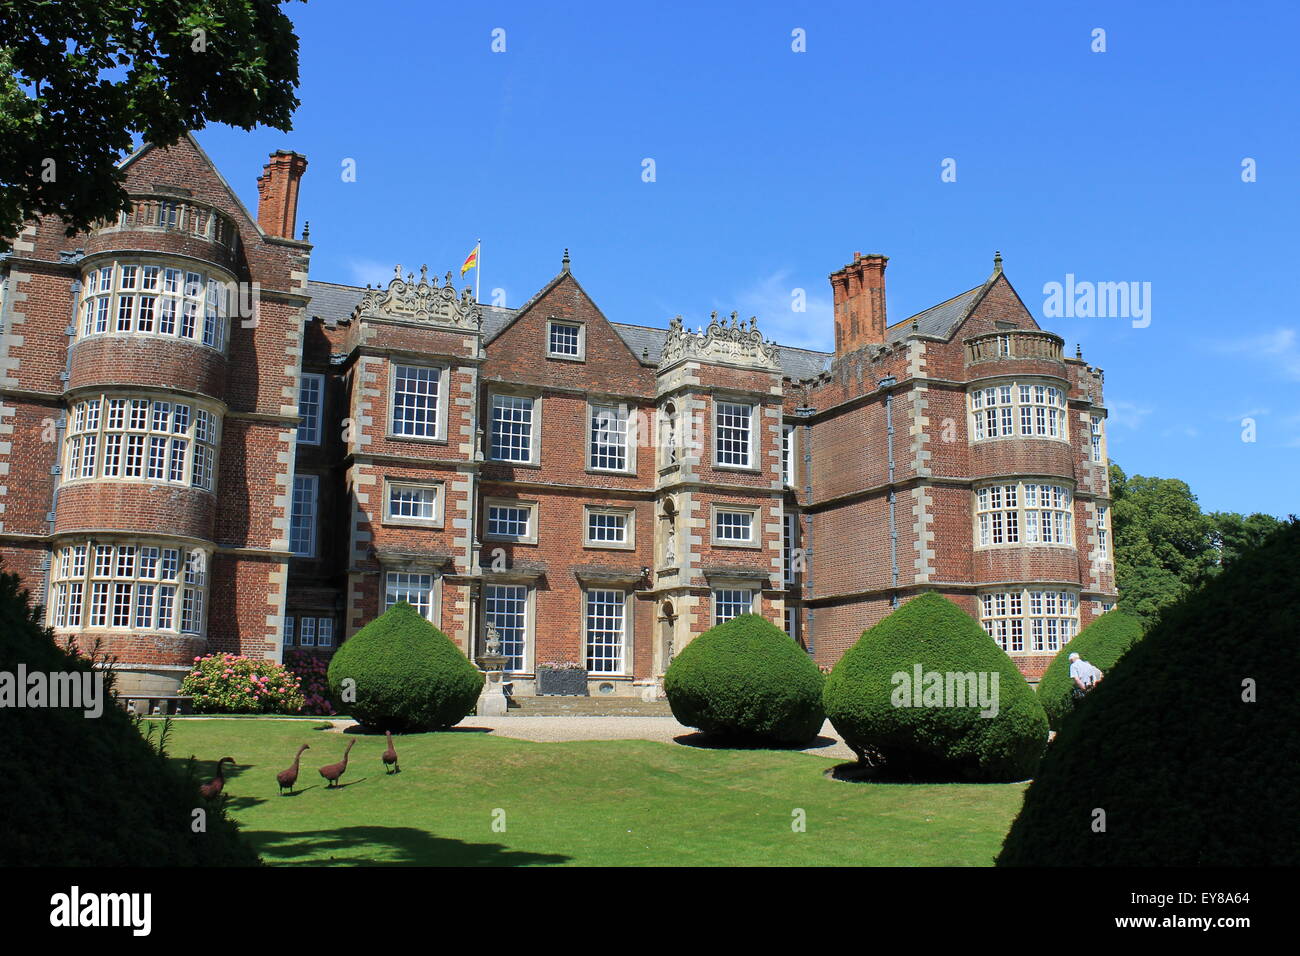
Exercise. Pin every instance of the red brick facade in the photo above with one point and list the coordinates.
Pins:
(185, 469)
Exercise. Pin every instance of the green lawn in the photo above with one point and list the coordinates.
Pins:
(586, 803)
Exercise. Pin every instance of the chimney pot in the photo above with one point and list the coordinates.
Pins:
(277, 193)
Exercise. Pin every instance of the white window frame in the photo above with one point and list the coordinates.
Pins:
(1030, 620)
(629, 527)
(1096, 436)
(624, 645)
(528, 506)
(526, 611)
(789, 446)
(622, 418)
(310, 515)
(715, 598)
(310, 423)
(1013, 409)
(789, 546)
(104, 586)
(439, 396)
(114, 297)
(436, 487)
(399, 584)
(581, 354)
(1021, 512)
(534, 426)
(755, 539)
(752, 437)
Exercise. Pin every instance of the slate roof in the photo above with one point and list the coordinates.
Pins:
(332, 302)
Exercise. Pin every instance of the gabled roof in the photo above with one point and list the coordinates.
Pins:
(332, 302)
(941, 320)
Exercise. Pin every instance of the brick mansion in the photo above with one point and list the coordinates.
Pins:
(204, 448)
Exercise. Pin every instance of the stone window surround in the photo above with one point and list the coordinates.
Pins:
(208, 270)
(632, 418)
(439, 437)
(582, 339)
(505, 390)
(439, 490)
(756, 534)
(628, 617)
(185, 546)
(755, 433)
(1015, 381)
(531, 537)
(1020, 481)
(628, 512)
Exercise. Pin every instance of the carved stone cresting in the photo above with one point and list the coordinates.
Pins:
(735, 343)
(423, 301)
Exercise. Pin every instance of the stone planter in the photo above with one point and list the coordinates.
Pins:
(561, 683)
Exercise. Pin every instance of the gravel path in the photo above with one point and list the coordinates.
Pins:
(564, 728)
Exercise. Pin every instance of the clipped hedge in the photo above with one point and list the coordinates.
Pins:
(1102, 643)
(746, 681)
(408, 675)
(937, 741)
(91, 791)
(1187, 771)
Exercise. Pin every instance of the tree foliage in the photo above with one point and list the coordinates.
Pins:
(83, 81)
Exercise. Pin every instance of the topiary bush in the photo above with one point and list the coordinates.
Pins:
(235, 684)
(937, 741)
(1191, 745)
(1103, 643)
(121, 802)
(747, 681)
(408, 675)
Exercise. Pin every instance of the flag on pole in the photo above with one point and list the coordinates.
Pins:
(471, 261)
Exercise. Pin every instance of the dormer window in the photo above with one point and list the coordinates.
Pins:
(565, 340)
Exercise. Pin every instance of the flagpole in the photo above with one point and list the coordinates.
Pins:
(478, 267)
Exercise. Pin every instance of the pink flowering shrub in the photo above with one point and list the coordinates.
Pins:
(234, 684)
(311, 671)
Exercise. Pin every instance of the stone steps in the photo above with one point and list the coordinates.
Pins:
(588, 707)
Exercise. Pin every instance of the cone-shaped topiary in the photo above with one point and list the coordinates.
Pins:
(909, 692)
(1191, 745)
(123, 802)
(1101, 643)
(408, 675)
(746, 680)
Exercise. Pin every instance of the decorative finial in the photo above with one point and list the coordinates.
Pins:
(424, 275)
(1078, 350)
(997, 263)
(564, 263)
(306, 230)
(397, 272)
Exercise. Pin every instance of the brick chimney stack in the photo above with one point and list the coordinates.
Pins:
(859, 290)
(277, 193)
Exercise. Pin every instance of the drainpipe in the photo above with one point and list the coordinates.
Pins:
(804, 411)
(887, 383)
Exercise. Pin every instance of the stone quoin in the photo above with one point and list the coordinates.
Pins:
(183, 474)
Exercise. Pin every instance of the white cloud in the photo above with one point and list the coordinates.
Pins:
(772, 299)
(1279, 348)
(1125, 414)
(370, 271)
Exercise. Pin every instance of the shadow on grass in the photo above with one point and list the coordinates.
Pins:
(705, 741)
(854, 772)
(348, 846)
(361, 732)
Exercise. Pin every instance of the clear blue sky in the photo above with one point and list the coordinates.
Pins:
(773, 167)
